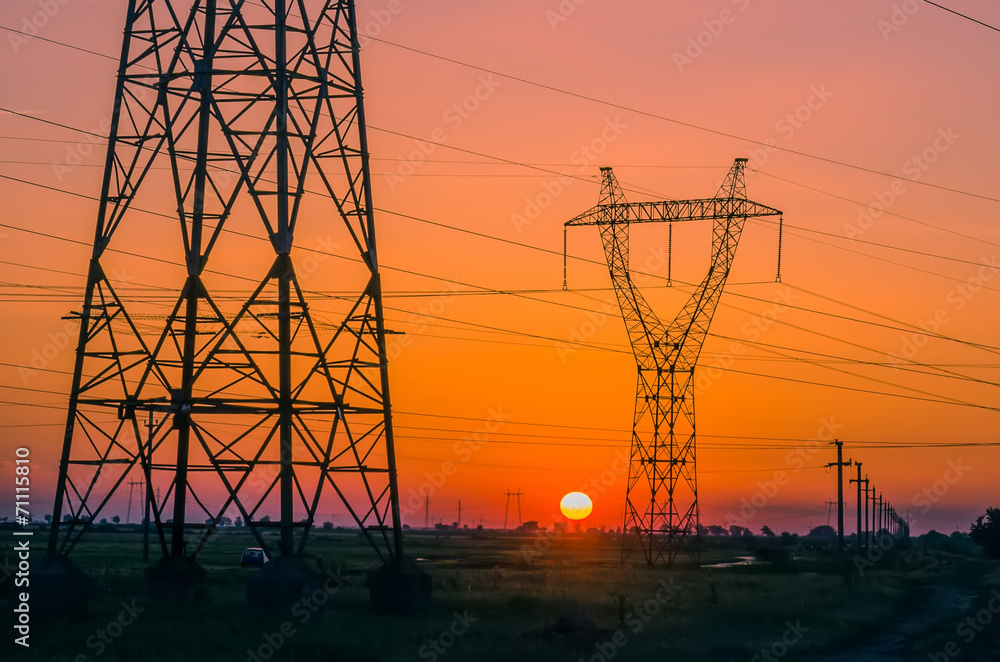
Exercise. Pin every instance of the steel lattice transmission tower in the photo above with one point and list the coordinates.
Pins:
(236, 126)
(661, 501)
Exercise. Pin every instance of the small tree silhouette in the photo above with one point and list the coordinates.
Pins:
(986, 532)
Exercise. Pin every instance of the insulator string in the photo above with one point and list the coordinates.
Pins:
(781, 231)
(565, 288)
(670, 252)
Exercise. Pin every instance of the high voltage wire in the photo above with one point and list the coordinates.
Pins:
(793, 443)
(490, 237)
(836, 339)
(794, 326)
(510, 162)
(886, 212)
(491, 434)
(527, 297)
(536, 165)
(786, 442)
(374, 174)
(690, 125)
(881, 245)
(415, 273)
(968, 18)
(887, 260)
(383, 158)
(613, 105)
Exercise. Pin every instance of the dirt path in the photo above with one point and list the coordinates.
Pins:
(942, 603)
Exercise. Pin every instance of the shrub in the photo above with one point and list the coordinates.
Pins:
(986, 532)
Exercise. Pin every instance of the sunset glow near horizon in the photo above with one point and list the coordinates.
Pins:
(883, 332)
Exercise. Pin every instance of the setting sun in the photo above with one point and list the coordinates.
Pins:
(576, 505)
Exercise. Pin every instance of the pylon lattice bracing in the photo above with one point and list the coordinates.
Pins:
(661, 502)
(236, 126)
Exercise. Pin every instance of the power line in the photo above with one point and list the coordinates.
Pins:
(612, 105)
(516, 163)
(405, 271)
(968, 18)
(536, 336)
(59, 43)
(689, 125)
(872, 207)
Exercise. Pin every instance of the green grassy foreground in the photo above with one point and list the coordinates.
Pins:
(501, 606)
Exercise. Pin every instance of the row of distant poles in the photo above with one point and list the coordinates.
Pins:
(876, 516)
(428, 517)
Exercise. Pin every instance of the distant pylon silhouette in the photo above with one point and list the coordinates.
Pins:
(506, 510)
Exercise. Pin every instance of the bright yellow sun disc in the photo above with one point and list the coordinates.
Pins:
(576, 505)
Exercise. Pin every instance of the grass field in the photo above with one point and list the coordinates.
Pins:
(573, 601)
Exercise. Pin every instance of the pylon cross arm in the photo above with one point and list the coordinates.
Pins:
(703, 209)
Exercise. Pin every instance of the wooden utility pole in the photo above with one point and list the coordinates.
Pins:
(859, 481)
(878, 515)
(868, 531)
(148, 492)
(840, 464)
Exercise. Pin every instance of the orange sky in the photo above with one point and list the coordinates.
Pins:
(879, 97)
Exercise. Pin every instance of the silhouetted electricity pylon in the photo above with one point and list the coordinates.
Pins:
(235, 124)
(661, 501)
(506, 510)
